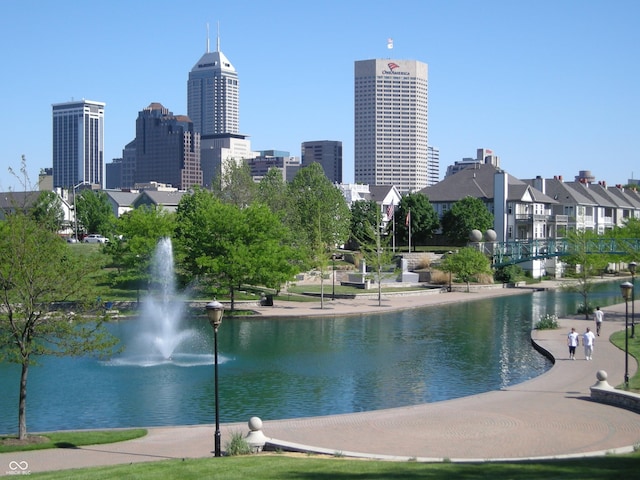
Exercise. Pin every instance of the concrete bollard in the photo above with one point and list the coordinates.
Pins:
(255, 438)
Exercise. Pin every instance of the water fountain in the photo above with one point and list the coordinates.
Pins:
(159, 336)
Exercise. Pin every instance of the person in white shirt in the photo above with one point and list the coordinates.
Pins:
(599, 315)
(587, 340)
(572, 341)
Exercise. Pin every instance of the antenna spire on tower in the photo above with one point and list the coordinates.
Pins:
(218, 42)
(207, 37)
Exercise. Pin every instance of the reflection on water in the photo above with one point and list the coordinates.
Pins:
(297, 367)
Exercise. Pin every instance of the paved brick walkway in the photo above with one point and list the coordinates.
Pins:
(549, 416)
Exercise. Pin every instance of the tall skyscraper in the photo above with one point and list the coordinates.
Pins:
(212, 94)
(433, 165)
(328, 153)
(391, 123)
(167, 149)
(78, 143)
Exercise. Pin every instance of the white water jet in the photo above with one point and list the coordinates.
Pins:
(160, 337)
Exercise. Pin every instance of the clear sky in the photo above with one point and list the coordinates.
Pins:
(551, 86)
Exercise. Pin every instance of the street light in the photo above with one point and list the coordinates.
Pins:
(450, 253)
(632, 269)
(75, 211)
(214, 313)
(627, 291)
(333, 276)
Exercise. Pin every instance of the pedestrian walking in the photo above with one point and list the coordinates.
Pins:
(599, 315)
(573, 339)
(588, 339)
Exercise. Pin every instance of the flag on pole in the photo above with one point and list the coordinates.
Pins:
(407, 220)
(390, 211)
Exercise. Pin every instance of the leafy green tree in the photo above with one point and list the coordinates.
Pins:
(138, 232)
(94, 212)
(374, 245)
(466, 264)
(47, 211)
(272, 191)
(423, 219)
(235, 184)
(320, 217)
(364, 214)
(38, 273)
(582, 252)
(228, 246)
(465, 215)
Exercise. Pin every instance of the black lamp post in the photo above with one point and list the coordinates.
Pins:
(632, 269)
(450, 253)
(627, 291)
(214, 313)
(333, 276)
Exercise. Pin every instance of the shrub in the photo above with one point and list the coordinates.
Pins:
(438, 277)
(237, 445)
(585, 309)
(424, 262)
(547, 322)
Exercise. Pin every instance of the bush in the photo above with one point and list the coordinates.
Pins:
(547, 322)
(509, 274)
(237, 445)
(585, 309)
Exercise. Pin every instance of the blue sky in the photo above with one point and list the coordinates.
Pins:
(551, 86)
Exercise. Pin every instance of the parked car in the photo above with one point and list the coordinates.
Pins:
(95, 238)
(72, 240)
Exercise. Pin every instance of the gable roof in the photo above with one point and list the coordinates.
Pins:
(478, 182)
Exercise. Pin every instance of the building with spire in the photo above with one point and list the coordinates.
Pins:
(212, 94)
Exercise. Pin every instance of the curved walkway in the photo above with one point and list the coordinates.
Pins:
(546, 417)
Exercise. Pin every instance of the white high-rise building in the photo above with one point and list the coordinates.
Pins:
(391, 123)
(212, 94)
(433, 167)
(78, 143)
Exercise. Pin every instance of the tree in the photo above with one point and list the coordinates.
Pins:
(465, 215)
(466, 263)
(423, 218)
(225, 245)
(234, 184)
(47, 211)
(364, 214)
(320, 217)
(373, 245)
(38, 275)
(94, 212)
(137, 234)
(272, 191)
(582, 252)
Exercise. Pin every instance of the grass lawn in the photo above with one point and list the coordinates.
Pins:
(278, 467)
(68, 439)
(634, 351)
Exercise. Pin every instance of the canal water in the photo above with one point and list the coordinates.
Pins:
(284, 368)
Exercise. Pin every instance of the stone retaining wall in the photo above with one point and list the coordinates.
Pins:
(602, 392)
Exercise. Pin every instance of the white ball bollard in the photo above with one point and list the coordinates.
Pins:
(255, 438)
(602, 376)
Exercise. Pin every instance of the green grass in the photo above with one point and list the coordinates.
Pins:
(279, 467)
(72, 439)
(634, 351)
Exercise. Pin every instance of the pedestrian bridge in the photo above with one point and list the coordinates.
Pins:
(519, 251)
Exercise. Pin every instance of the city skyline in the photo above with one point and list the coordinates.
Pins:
(549, 86)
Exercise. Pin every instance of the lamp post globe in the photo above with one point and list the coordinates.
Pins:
(214, 311)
